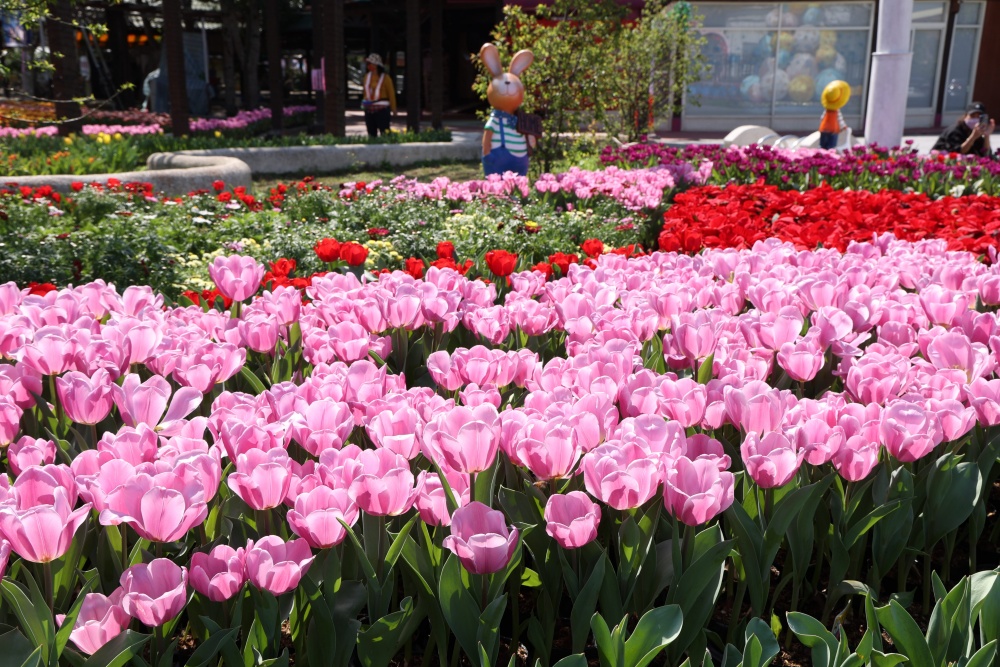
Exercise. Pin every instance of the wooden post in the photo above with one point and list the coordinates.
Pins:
(66, 73)
(173, 42)
(413, 65)
(275, 80)
(334, 106)
(437, 64)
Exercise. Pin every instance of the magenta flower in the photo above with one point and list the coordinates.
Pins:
(571, 519)
(276, 566)
(771, 461)
(620, 475)
(218, 574)
(154, 592)
(384, 483)
(696, 491)
(28, 451)
(236, 276)
(42, 533)
(86, 400)
(464, 439)
(317, 514)
(481, 539)
(160, 509)
(101, 619)
(261, 478)
(909, 431)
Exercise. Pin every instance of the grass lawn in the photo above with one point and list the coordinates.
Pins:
(456, 171)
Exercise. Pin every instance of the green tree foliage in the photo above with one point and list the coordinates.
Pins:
(593, 65)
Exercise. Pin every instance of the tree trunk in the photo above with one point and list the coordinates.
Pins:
(231, 48)
(336, 68)
(317, 54)
(437, 65)
(66, 77)
(173, 42)
(121, 70)
(251, 80)
(413, 63)
(275, 78)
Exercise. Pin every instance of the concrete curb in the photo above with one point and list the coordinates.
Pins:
(170, 173)
(327, 159)
(184, 171)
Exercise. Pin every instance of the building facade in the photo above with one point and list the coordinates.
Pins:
(770, 60)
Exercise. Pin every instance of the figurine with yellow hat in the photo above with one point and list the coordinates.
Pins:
(834, 98)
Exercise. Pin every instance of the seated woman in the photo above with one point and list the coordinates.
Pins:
(970, 135)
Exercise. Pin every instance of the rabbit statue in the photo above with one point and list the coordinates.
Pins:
(504, 147)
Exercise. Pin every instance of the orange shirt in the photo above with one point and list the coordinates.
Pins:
(830, 122)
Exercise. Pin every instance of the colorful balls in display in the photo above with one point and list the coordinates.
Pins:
(826, 56)
(778, 81)
(827, 38)
(786, 40)
(750, 88)
(806, 40)
(812, 16)
(802, 64)
(802, 88)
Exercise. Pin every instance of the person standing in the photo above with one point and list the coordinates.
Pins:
(970, 135)
(379, 97)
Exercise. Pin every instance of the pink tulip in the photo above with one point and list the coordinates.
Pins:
(52, 352)
(909, 431)
(548, 448)
(100, 620)
(683, 400)
(696, 491)
(481, 539)
(10, 421)
(984, 396)
(261, 478)
(19, 384)
(218, 574)
(86, 400)
(160, 509)
(464, 439)
(803, 359)
(42, 533)
(571, 519)
(755, 407)
(695, 335)
(144, 402)
(323, 424)
(954, 350)
(5, 550)
(28, 451)
(431, 502)
(276, 566)
(259, 333)
(317, 514)
(856, 458)
(620, 475)
(237, 277)
(771, 461)
(397, 430)
(40, 485)
(384, 484)
(154, 592)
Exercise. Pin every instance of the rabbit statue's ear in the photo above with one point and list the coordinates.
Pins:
(520, 62)
(491, 58)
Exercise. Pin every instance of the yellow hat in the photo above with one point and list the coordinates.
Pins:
(835, 95)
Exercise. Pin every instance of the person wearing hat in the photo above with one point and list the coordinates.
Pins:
(970, 135)
(379, 97)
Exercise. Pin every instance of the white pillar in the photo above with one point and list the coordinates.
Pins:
(890, 77)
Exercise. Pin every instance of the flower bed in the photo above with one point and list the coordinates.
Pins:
(126, 142)
(737, 216)
(862, 168)
(126, 235)
(443, 467)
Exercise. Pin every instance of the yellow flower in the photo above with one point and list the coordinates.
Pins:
(218, 134)
(531, 224)
(118, 136)
(68, 141)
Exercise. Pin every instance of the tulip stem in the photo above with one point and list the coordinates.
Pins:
(93, 436)
(154, 647)
(47, 584)
(55, 401)
(124, 534)
(768, 503)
